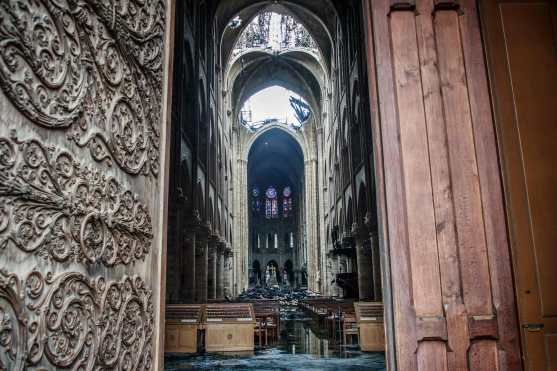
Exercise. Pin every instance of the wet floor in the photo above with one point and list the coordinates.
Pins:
(301, 347)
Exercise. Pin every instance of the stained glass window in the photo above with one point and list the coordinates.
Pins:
(286, 202)
(255, 202)
(271, 203)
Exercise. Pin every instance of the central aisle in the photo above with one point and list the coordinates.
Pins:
(299, 348)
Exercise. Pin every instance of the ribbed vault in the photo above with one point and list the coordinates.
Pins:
(318, 16)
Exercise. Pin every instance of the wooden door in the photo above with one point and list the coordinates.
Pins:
(82, 148)
(443, 226)
(522, 50)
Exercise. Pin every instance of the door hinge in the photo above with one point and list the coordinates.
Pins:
(533, 327)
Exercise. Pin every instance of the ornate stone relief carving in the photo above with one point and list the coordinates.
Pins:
(74, 322)
(93, 68)
(53, 206)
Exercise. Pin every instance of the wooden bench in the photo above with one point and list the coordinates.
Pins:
(229, 327)
(369, 316)
(181, 326)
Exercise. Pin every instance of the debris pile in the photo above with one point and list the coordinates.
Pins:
(285, 295)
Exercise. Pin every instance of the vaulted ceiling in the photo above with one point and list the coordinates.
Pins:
(275, 158)
(318, 17)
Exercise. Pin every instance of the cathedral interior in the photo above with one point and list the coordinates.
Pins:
(298, 195)
(285, 201)
(278, 185)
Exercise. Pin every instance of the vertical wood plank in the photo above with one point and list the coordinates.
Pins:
(476, 285)
(432, 356)
(440, 227)
(483, 356)
(442, 189)
(464, 170)
(404, 315)
(491, 187)
(415, 162)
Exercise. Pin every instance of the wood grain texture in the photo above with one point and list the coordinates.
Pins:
(420, 220)
(449, 257)
(442, 189)
(464, 171)
(404, 315)
(522, 77)
(491, 187)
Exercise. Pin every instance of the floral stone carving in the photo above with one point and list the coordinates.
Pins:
(74, 322)
(52, 206)
(93, 68)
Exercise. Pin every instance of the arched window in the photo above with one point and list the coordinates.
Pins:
(271, 203)
(286, 202)
(255, 201)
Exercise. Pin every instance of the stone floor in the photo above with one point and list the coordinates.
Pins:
(299, 349)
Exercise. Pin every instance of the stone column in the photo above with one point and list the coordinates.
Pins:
(376, 267)
(227, 271)
(201, 257)
(329, 276)
(363, 255)
(188, 286)
(212, 269)
(338, 288)
(220, 270)
(241, 233)
(310, 170)
(321, 190)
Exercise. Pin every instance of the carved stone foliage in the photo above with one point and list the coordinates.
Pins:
(92, 68)
(74, 322)
(54, 207)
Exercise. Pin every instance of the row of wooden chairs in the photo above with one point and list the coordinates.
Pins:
(350, 323)
(336, 315)
(267, 325)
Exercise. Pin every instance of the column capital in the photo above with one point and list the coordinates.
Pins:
(203, 231)
(192, 219)
(200, 249)
(360, 231)
(213, 241)
(189, 236)
(221, 246)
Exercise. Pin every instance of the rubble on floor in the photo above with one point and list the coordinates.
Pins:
(285, 295)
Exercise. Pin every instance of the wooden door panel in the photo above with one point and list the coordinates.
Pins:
(453, 305)
(81, 117)
(522, 47)
(533, 67)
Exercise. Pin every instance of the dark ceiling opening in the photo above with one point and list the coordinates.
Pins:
(275, 158)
